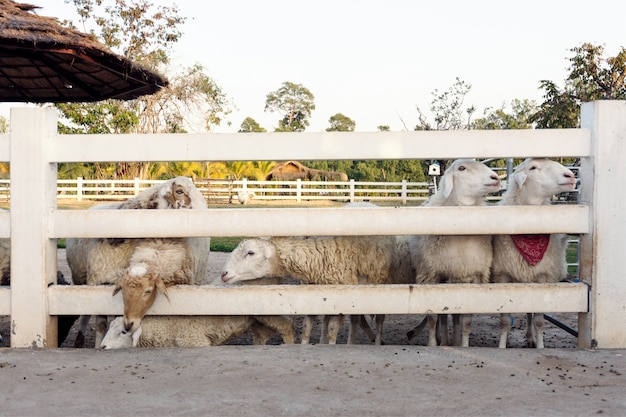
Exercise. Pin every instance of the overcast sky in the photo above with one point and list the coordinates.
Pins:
(375, 61)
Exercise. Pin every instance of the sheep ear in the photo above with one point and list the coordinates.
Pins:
(136, 336)
(169, 197)
(160, 285)
(117, 289)
(446, 185)
(519, 178)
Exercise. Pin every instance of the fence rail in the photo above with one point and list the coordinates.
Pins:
(34, 149)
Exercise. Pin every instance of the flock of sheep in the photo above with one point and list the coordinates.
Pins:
(141, 269)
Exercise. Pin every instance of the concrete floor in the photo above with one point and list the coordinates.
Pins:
(307, 380)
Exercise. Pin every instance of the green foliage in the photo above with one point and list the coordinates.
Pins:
(592, 76)
(383, 128)
(249, 125)
(295, 103)
(224, 244)
(518, 118)
(341, 123)
(559, 110)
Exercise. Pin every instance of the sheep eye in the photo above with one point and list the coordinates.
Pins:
(250, 253)
(147, 292)
(532, 167)
(462, 168)
(179, 191)
(123, 331)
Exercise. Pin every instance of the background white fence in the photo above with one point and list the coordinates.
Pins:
(34, 148)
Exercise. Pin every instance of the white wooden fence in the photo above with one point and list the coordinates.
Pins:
(33, 148)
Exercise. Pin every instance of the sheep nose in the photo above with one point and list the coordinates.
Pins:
(128, 326)
(224, 274)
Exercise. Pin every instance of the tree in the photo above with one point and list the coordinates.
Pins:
(341, 123)
(295, 103)
(519, 118)
(592, 76)
(448, 109)
(383, 128)
(250, 125)
(145, 34)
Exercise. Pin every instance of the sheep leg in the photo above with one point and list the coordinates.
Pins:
(505, 326)
(380, 319)
(282, 325)
(307, 327)
(443, 330)
(333, 326)
(83, 323)
(324, 333)
(367, 329)
(534, 330)
(417, 329)
(432, 321)
(353, 330)
(261, 333)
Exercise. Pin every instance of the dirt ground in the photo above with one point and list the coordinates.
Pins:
(485, 328)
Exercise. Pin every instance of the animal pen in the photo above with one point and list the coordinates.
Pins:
(33, 223)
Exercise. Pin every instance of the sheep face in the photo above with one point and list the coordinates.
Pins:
(537, 179)
(468, 182)
(118, 338)
(251, 259)
(139, 288)
(176, 195)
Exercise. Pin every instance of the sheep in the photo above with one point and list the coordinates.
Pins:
(188, 331)
(455, 258)
(155, 265)
(315, 260)
(176, 193)
(99, 261)
(244, 197)
(533, 182)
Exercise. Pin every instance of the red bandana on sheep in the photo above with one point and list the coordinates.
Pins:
(531, 247)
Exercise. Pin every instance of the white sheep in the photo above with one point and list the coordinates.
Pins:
(315, 260)
(244, 197)
(155, 265)
(190, 331)
(99, 261)
(531, 258)
(456, 258)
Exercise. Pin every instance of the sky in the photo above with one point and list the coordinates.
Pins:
(375, 61)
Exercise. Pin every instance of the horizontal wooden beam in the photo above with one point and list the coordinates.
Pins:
(332, 299)
(322, 145)
(309, 221)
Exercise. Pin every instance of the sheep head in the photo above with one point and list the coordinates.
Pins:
(139, 288)
(535, 180)
(177, 193)
(251, 259)
(117, 337)
(466, 182)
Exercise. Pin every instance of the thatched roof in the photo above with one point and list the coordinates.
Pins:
(41, 61)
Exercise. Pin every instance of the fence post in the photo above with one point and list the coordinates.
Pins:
(136, 186)
(404, 192)
(602, 249)
(351, 196)
(33, 255)
(79, 189)
(298, 190)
